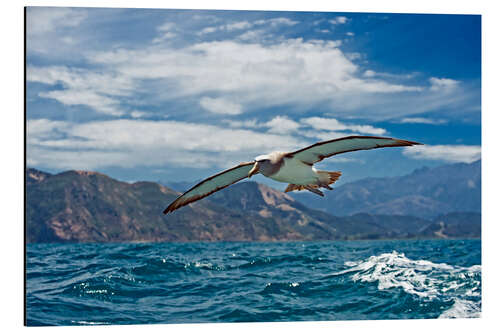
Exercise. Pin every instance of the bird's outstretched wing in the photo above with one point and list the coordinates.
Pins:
(210, 185)
(321, 150)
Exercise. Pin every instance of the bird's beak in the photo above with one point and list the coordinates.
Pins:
(254, 170)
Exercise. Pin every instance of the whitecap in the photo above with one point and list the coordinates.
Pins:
(463, 309)
(422, 278)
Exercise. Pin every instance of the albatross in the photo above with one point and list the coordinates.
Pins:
(295, 168)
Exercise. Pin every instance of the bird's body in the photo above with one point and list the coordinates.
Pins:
(290, 171)
(295, 168)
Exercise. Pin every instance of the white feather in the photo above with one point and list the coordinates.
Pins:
(296, 172)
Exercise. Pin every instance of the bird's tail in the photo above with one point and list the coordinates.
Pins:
(328, 177)
(325, 178)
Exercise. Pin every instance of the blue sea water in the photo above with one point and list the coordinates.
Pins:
(91, 284)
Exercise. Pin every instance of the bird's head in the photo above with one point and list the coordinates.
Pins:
(259, 160)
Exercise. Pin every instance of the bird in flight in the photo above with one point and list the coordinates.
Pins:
(295, 168)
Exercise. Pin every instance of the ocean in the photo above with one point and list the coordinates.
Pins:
(140, 283)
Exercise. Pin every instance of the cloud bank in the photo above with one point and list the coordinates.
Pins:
(213, 90)
(448, 153)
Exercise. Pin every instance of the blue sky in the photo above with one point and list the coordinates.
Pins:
(177, 95)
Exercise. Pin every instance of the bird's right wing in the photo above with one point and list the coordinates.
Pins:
(211, 184)
(321, 150)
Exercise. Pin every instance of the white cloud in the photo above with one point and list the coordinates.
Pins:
(371, 74)
(41, 20)
(277, 21)
(68, 40)
(242, 25)
(257, 75)
(165, 36)
(311, 127)
(220, 106)
(167, 26)
(104, 82)
(419, 120)
(52, 31)
(448, 153)
(332, 124)
(207, 30)
(338, 20)
(43, 128)
(88, 98)
(99, 91)
(267, 72)
(352, 56)
(139, 114)
(252, 123)
(252, 35)
(130, 143)
(324, 123)
(443, 84)
(167, 31)
(282, 125)
(291, 71)
(238, 25)
(367, 129)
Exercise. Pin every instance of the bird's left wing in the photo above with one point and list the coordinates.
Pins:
(210, 185)
(321, 150)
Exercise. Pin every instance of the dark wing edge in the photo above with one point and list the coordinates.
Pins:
(397, 143)
(183, 201)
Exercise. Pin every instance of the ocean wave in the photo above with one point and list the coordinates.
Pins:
(463, 309)
(424, 279)
(214, 282)
(280, 287)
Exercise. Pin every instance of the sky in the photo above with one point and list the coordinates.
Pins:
(178, 95)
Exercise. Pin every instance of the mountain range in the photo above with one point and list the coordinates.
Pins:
(425, 193)
(84, 206)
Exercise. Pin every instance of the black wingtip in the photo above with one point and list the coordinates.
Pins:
(411, 143)
(168, 210)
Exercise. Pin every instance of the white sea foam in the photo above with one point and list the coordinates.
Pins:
(84, 322)
(97, 291)
(423, 278)
(203, 264)
(462, 309)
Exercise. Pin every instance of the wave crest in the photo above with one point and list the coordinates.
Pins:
(423, 278)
